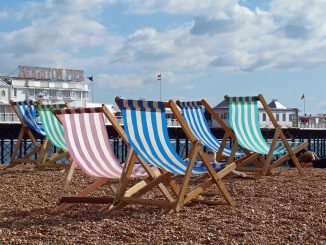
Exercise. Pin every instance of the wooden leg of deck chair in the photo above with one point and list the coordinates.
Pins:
(233, 150)
(293, 157)
(271, 150)
(152, 175)
(163, 178)
(43, 152)
(15, 151)
(68, 179)
(125, 176)
(185, 183)
(217, 177)
(85, 192)
(287, 156)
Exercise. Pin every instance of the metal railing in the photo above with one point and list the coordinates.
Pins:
(9, 118)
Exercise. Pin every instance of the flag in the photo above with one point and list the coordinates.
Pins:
(90, 78)
(158, 76)
(302, 97)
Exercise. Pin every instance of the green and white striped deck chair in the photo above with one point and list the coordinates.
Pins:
(193, 113)
(243, 116)
(54, 134)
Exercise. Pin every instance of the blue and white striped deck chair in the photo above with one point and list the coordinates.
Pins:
(193, 113)
(26, 113)
(243, 116)
(146, 128)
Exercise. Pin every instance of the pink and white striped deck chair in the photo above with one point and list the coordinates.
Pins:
(89, 147)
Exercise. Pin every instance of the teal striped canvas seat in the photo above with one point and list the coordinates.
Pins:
(244, 120)
(52, 127)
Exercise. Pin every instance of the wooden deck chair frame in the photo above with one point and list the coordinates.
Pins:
(228, 134)
(44, 160)
(182, 197)
(25, 130)
(66, 202)
(279, 134)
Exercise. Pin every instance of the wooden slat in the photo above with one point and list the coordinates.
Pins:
(99, 200)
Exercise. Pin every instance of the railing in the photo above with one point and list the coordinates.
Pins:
(8, 118)
(313, 125)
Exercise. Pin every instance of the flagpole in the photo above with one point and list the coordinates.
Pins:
(91, 78)
(304, 106)
(159, 78)
(93, 90)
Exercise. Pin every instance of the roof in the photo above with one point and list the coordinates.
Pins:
(3, 81)
(223, 104)
(276, 105)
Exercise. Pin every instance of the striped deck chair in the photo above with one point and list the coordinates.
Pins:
(54, 134)
(146, 128)
(26, 113)
(243, 116)
(193, 113)
(89, 147)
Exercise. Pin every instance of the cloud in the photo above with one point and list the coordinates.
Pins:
(204, 25)
(220, 35)
(59, 34)
(120, 82)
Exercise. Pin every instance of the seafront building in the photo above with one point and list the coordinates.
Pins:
(56, 85)
(53, 85)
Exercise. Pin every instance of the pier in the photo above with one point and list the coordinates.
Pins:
(9, 134)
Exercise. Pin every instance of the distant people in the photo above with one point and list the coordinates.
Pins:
(309, 159)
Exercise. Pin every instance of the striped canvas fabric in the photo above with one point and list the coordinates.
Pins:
(88, 144)
(243, 116)
(146, 129)
(52, 127)
(193, 113)
(27, 112)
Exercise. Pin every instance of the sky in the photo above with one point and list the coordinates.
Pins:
(202, 49)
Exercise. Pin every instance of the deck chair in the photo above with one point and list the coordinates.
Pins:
(146, 128)
(54, 134)
(26, 113)
(243, 116)
(89, 147)
(193, 113)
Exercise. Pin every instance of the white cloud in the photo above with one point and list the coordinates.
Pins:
(222, 35)
(120, 82)
(58, 35)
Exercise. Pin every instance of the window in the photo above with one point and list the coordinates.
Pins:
(284, 117)
(291, 117)
(85, 95)
(264, 117)
(78, 94)
(277, 116)
(52, 93)
(31, 92)
(15, 92)
(66, 93)
(224, 115)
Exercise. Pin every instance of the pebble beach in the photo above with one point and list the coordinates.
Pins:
(279, 209)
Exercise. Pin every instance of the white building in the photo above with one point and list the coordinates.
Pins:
(54, 85)
(286, 117)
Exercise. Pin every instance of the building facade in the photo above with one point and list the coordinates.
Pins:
(53, 85)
